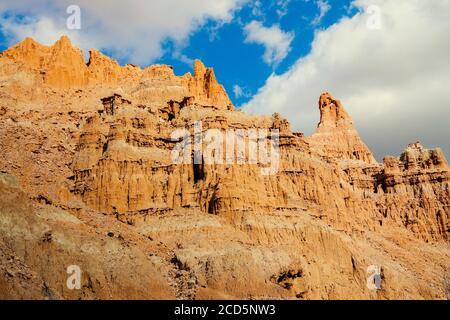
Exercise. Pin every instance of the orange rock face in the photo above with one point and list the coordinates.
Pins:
(87, 177)
(205, 88)
(62, 66)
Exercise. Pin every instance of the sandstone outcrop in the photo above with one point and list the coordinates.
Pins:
(87, 177)
(205, 88)
(62, 66)
(417, 190)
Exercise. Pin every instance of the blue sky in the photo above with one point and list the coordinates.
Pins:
(387, 61)
(238, 63)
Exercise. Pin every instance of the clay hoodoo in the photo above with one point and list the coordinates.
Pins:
(336, 136)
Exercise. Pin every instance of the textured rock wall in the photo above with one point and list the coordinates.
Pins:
(62, 66)
(124, 166)
(91, 147)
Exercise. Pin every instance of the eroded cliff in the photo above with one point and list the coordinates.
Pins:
(88, 178)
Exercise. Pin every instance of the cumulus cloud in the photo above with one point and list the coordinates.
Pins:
(324, 7)
(133, 29)
(393, 80)
(42, 28)
(276, 42)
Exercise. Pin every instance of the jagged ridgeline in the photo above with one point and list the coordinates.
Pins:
(88, 178)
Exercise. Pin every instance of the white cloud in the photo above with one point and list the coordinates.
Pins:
(133, 29)
(324, 7)
(237, 90)
(42, 28)
(240, 92)
(276, 42)
(257, 10)
(282, 9)
(393, 81)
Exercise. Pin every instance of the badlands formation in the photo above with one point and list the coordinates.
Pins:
(87, 179)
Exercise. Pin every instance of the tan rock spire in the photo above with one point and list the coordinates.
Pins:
(335, 135)
(199, 69)
(332, 113)
(205, 88)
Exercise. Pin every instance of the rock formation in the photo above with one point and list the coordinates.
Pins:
(62, 66)
(87, 177)
(335, 135)
(417, 190)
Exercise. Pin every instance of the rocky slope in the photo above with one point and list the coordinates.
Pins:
(88, 178)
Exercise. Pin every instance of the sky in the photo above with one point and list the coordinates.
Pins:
(388, 61)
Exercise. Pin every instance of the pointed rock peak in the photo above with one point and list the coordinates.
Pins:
(335, 135)
(199, 69)
(63, 49)
(29, 42)
(206, 89)
(332, 112)
(26, 45)
(64, 42)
